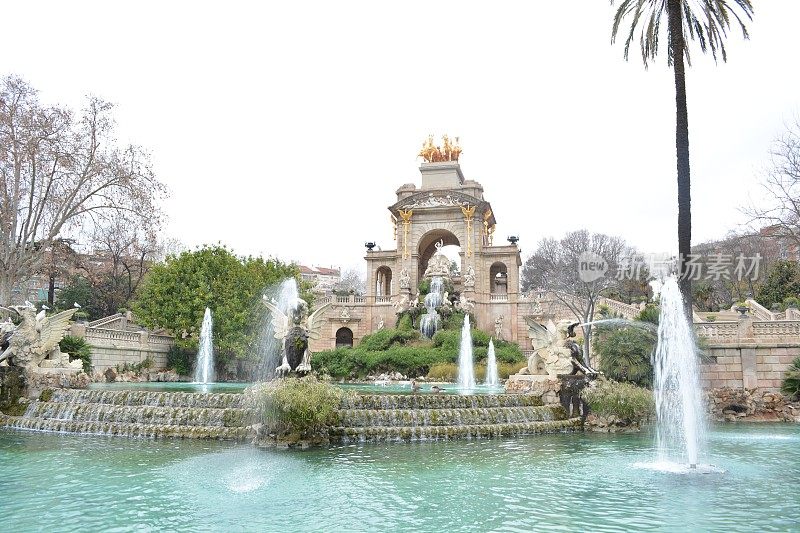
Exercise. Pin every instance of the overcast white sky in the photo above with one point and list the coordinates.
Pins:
(284, 128)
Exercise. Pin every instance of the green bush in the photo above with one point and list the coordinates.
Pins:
(449, 371)
(405, 352)
(305, 406)
(791, 301)
(77, 348)
(180, 360)
(791, 380)
(649, 314)
(443, 372)
(623, 400)
(625, 354)
(386, 338)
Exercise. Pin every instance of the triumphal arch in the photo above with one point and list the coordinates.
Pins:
(446, 210)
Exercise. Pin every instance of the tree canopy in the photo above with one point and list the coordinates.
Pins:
(174, 295)
(62, 172)
(783, 281)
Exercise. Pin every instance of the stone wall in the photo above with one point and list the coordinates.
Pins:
(112, 347)
(748, 354)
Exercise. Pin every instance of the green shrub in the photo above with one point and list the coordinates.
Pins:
(623, 400)
(404, 322)
(305, 406)
(405, 352)
(625, 354)
(649, 314)
(180, 360)
(449, 371)
(791, 380)
(77, 348)
(385, 338)
(443, 372)
(791, 301)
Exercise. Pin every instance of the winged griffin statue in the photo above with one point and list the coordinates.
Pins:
(554, 350)
(34, 342)
(295, 328)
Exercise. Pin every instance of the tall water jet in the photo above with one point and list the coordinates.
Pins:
(270, 348)
(429, 322)
(466, 373)
(680, 430)
(204, 366)
(492, 377)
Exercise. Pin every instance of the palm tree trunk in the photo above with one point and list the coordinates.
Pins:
(677, 45)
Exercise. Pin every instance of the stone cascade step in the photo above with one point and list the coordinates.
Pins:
(151, 398)
(124, 429)
(448, 417)
(136, 414)
(411, 417)
(439, 401)
(478, 431)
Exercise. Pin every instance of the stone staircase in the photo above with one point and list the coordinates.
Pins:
(135, 414)
(380, 418)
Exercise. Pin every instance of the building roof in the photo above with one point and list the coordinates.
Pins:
(320, 271)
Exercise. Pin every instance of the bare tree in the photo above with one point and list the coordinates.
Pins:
(781, 185)
(58, 171)
(352, 280)
(122, 255)
(556, 267)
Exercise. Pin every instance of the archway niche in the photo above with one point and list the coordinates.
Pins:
(383, 281)
(344, 338)
(498, 278)
(427, 247)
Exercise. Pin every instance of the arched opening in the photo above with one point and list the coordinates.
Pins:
(344, 338)
(427, 247)
(498, 278)
(383, 281)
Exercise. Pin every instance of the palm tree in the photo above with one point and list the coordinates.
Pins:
(707, 22)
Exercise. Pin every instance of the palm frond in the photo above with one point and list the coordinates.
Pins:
(705, 21)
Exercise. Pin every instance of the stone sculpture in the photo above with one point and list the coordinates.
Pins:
(34, 342)
(401, 304)
(439, 264)
(295, 329)
(554, 350)
(469, 277)
(498, 327)
(465, 304)
(405, 279)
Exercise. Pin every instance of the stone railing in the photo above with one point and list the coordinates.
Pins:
(776, 329)
(503, 297)
(101, 334)
(105, 320)
(759, 311)
(620, 308)
(718, 331)
(748, 331)
(383, 300)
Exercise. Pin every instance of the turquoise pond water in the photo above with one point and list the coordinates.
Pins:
(580, 482)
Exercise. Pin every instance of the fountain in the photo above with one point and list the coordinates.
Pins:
(492, 378)
(293, 326)
(466, 374)
(204, 367)
(429, 323)
(680, 431)
(269, 346)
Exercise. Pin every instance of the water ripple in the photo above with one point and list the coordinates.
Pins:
(550, 482)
